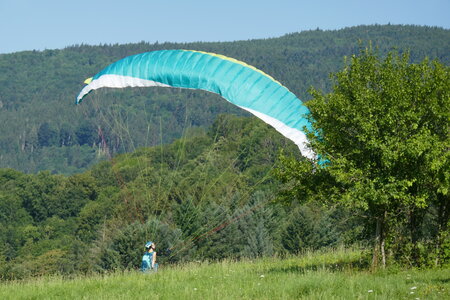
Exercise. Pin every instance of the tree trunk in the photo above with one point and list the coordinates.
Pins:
(413, 225)
(379, 243)
(376, 246)
(383, 240)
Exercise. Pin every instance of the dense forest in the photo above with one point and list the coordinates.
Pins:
(210, 196)
(43, 130)
(82, 188)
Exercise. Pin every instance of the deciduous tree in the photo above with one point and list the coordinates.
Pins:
(382, 138)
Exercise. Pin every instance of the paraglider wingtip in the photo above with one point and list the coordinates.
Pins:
(88, 80)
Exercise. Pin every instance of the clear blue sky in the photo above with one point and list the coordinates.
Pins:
(54, 24)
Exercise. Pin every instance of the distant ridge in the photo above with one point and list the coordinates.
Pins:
(42, 130)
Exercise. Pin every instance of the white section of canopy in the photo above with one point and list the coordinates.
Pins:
(295, 135)
(117, 81)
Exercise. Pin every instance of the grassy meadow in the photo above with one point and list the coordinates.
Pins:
(338, 274)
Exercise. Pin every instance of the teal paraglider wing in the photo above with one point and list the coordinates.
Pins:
(239, 83)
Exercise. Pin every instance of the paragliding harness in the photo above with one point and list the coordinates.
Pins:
(147, 259)
(146, 265)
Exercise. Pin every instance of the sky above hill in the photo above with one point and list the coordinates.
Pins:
(52, 24)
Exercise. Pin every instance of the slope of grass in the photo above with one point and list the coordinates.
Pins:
(333, 275)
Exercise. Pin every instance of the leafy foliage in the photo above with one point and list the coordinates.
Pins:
(382, 135)
(205, 197)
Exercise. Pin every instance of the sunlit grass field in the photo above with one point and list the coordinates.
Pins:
(337, 274)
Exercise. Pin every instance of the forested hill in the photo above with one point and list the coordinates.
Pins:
(41, 128)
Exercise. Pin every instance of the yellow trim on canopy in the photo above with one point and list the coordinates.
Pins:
(236, 61)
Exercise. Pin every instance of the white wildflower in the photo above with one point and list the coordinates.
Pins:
(414, 287)
(370, 291)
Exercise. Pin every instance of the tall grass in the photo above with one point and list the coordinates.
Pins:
(337, 274)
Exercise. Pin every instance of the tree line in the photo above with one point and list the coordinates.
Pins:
(210, 195)
(43, 130)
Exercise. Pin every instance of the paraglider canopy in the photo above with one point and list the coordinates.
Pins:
(239, 83)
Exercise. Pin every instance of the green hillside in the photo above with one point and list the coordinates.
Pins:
(43, 130)
(329, 275)
(82, 188)
(206, 197)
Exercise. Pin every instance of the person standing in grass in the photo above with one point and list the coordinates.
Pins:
(149, 258)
